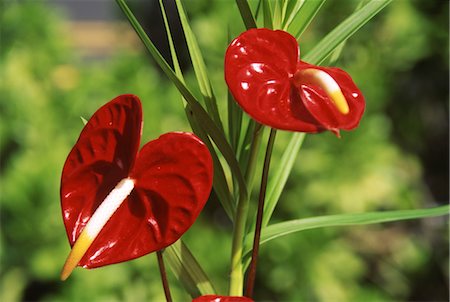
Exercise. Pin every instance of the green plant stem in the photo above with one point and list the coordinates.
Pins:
(162, 271)
(259, 216)
(237, 271)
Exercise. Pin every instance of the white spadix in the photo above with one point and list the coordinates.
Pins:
(98, 220)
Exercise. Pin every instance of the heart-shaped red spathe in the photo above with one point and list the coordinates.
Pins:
(259, 68)
(172, 182)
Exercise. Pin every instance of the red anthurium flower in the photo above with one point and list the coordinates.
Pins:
(119, 204)
(271, 84)
(214, 298)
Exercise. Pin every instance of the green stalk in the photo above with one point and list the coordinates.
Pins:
(237, 268)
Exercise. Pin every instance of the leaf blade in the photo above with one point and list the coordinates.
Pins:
(187, 269)
(198, 63)
(301, 16)
(279, 178)
(288, 227)
(344, 31)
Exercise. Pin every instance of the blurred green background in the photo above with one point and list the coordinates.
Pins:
(57, 65)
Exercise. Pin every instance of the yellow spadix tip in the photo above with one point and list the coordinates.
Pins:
(312, 76)
(98, 220)
(339, 101)
(79, 249)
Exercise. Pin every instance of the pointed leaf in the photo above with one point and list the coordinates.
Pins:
(301, 16)
(278, 179)
(344, 30)
(288, 227)
(187, 269)
(199, 66)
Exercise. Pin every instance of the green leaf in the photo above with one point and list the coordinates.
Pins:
(83, 120)
(220, 183)
(188, 270)
(234, 113)
(234, 122)
(253, 132)
(290, 9)
(279, 178)
(246, 14)
(338, 50)
(173, 53)
(288, 227)
(159, 59)
(199, 66)
(267, 13)
(277, 14)
(344, 30)
(301, 16)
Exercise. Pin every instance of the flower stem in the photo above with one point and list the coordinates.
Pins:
(162, 271)
(259, 216)
(237, 273)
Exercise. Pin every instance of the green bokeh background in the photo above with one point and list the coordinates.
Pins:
(396, 159)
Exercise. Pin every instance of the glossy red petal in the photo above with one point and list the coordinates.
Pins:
(216, 298)
(102, 156)
(259, 65)
(324, 111)
(173, 179)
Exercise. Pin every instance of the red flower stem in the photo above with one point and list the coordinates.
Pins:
(259, 216)
(162, 271)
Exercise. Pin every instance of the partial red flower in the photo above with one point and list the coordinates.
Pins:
(119, 203)
(269, 81)
(215, 298)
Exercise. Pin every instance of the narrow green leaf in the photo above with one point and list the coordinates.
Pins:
(284, 6)
(246, 14)
(344, 30)
(292, 7)
(234, 122)
(244, 151)
(159, 59)
(234, 113)
(173, 53)
(199, 66)
(338, 50)
(277, 14)
(216, 134)
(289, 11)
(301, 16)
(258, 10)
(220, 183)
(288, 227)
(187, 269)
(279, 178)
(83, 120)
(267, 13)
